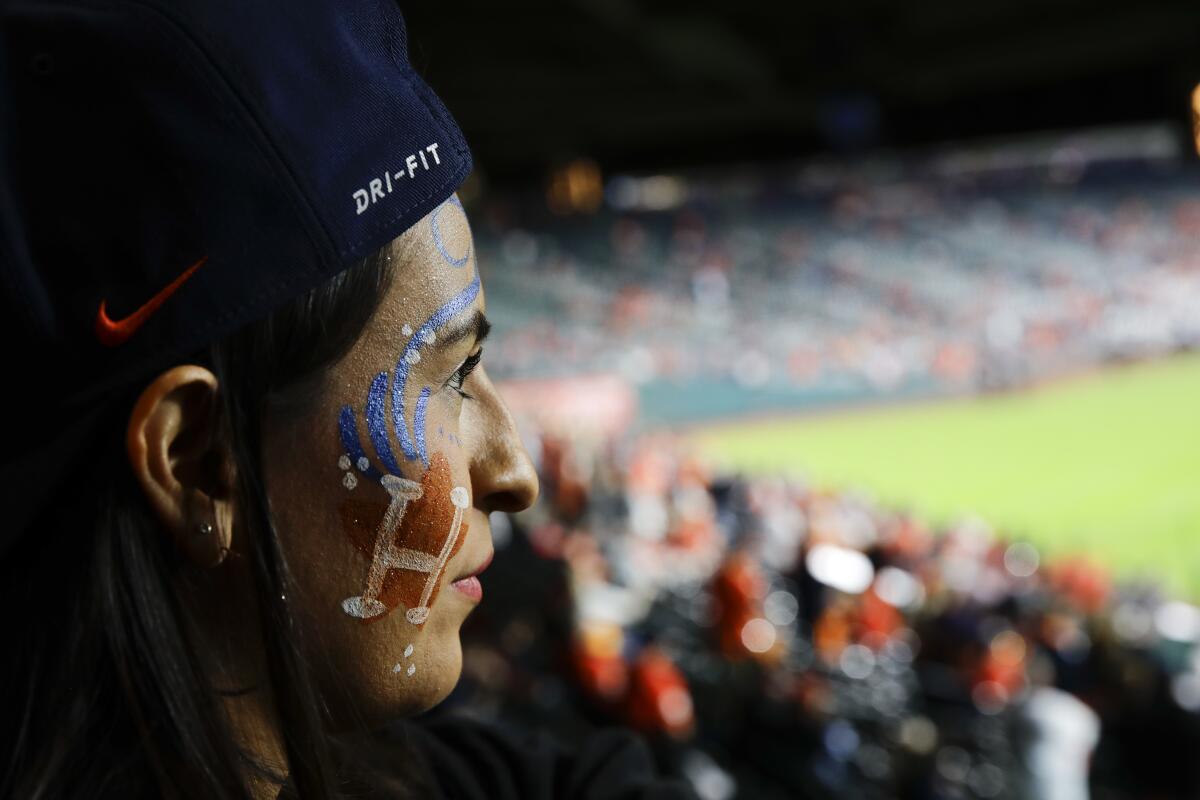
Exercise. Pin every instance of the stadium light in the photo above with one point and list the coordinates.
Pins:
(1196, 117)
(575, 187)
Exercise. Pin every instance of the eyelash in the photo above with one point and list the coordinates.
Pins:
(463, 372)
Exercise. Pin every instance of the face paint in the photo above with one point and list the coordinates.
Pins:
(416, 449)
(448, 206)
(418, 615)
(349, 479)
(417, 533)
(412, 444)
(413, 534)
(377, 423)
(408, 651)
(348, 429)
(386, 554)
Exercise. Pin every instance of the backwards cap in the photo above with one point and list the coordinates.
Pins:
(171, 170)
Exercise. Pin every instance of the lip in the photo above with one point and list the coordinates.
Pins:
(469, 584)
(471, 587)
(483, 565)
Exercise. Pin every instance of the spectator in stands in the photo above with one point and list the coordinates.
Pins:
(211, 523)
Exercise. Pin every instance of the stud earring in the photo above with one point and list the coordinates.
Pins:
(204, 530)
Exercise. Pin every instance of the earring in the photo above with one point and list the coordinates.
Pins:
(204, 530)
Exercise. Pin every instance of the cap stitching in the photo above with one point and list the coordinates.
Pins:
(255, 125)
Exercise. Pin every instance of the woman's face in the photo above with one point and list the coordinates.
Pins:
(381, 493)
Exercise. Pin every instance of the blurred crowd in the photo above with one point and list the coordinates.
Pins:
(777, 641)
(884, 278)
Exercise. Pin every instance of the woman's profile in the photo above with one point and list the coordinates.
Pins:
(249, 481)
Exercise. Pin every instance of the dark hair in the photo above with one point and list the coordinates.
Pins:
(103, 694)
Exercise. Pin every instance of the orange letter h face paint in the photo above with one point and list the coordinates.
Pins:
(409, 550)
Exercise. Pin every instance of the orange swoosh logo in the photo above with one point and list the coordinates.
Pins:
(115, 332)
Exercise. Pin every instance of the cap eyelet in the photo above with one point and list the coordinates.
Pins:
(42, 64)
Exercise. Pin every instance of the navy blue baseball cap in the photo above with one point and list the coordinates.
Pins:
(173, 169)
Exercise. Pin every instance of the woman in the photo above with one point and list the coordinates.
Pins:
(248, 498)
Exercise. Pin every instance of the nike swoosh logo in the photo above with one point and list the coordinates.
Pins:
(112, 332)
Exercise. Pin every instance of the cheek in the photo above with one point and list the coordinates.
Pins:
(409, 531)
(443, 428)
(381, 666)
(305, 486)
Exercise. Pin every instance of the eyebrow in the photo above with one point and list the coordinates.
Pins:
(476, 325)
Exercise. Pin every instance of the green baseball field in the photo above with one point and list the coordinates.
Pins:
(1106, 465)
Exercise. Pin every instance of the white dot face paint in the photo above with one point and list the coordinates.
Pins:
(412, 357)
(429, 337)
(349, 480)
(344, 463)
(364, 464)
(406, 330)
(408, 651)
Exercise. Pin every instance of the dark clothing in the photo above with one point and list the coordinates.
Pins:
(476, 761)
(455, 758)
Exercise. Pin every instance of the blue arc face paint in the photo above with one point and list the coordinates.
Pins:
(454, 261)
(413, 445)
(459, 303)
(377, 423)
(348, 430)
(419, 426)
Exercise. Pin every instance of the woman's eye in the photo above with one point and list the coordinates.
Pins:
(464, 370)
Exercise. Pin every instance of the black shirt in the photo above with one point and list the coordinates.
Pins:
(456, 758)
(472, 760)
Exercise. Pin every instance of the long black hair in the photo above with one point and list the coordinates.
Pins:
(103, 694)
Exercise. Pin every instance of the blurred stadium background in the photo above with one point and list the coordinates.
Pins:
(856, 345)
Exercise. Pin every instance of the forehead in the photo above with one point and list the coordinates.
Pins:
(434, 260)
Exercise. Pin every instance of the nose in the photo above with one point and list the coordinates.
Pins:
(502, 474)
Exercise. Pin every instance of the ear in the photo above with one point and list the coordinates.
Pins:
(179, 458)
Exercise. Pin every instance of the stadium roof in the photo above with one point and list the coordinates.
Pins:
(641, 84)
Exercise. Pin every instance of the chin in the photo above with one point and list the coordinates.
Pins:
(369, 682)
(439, 673)
(436, 664)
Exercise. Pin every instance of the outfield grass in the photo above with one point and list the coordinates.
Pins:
(1107, 464)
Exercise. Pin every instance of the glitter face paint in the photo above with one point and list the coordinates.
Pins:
(452, 260)
(377, 423)
(412, 532)
(409, 541)
(348, 430)
(451, 309)
(412, 444)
